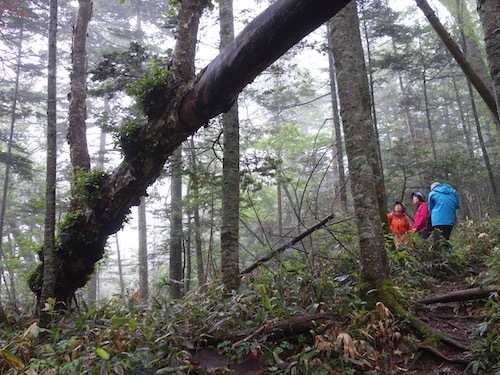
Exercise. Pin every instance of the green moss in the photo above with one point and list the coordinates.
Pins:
(72, 238)
(127, 136)
(87, 186)
(431, 339)
(149, 90)
(35, 279)
(70, 220)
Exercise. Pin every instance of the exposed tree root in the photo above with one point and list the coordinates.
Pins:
(436, 353)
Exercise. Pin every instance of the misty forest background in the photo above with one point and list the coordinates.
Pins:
(430, 124)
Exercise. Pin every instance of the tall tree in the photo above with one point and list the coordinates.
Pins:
(472, 76)
(489, 14)
(49, 256)
(230, 170)
(143, 253)
(10, 140)
(194, 191)
(176, 235)
(77, 129)
(354, 97)
(338, 149)
(176, 107)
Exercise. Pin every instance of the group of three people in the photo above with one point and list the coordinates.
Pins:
(438, 213)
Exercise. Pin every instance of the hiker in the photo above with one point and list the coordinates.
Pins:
(399, 222)
(443, 206)
(421, 224)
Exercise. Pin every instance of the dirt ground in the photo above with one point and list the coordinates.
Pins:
(456, 319)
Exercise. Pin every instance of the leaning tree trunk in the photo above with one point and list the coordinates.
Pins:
(489, 13)
(230, 213)
(360, 143)
(461, 60)
(185, 106)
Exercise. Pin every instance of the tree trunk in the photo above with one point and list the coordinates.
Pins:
(427, 110)
(230, 171)
(175, 261)
(77, 129)
(49, 257)
(93, 282)
(489, 14)
(185, 108)
(143, 254)
(360, 143)
(6, 179)
(120, 267)
(340, 188)
(458, 99)
(196, 215)
(461, 60)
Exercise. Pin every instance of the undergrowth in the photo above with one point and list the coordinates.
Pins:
(206, 333)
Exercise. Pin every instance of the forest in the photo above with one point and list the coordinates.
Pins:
(209, 187)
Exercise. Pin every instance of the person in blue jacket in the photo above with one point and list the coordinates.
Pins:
(443, 206)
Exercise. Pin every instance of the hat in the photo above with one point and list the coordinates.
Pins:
(419, 195)
(434, 184)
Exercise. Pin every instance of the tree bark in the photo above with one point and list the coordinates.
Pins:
(175, 258)
(120, 267)
(489, 14)
(427, 109)
(77, 129)
(194, 192)
(360, 143)
(461, 60)
(230, 212)
(458, 99)
(49, 278)
(340, 188)
(143, 253)
(186, 106)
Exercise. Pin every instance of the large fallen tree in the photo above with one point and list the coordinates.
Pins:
(175, 109)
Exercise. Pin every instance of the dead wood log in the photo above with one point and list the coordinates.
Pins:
(277, 328)
(292, 242)
(462, 295)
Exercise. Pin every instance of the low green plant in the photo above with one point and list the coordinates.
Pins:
(486, 349)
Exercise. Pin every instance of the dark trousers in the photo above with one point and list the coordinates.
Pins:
(445, 230)
(424, 233)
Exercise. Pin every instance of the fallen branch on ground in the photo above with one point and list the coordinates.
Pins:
(462, 295)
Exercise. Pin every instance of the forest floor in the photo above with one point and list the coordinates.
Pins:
(458, 320)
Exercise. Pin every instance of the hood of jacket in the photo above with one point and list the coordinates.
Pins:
(444, 189)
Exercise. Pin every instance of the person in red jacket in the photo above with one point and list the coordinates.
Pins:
(421, 225)
(399, 222)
